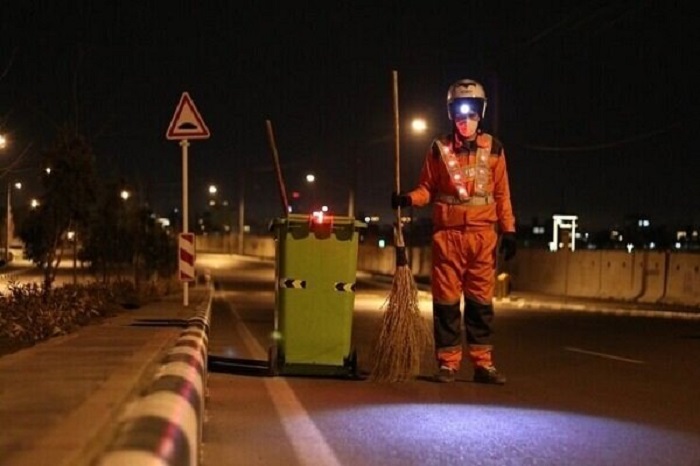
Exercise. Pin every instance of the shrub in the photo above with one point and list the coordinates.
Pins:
(30, 312)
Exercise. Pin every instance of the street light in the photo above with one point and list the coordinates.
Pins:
(212, 194)
(419, 125)
(3, 144)
(8, 219)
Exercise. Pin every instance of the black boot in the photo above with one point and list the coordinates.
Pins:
(488, 375)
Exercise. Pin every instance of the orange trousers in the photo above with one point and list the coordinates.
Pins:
(464, 264)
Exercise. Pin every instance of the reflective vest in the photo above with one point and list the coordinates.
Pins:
(460, 176)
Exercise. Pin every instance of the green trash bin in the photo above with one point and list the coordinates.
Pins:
(315, 270)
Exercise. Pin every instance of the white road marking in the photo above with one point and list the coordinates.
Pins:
(308, 442)
(603, 355)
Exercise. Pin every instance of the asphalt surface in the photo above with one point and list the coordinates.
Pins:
(60, 399)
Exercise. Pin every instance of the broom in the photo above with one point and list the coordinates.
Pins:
(404, 334)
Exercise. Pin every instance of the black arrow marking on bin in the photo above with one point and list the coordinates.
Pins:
(340, 286)
(292, 283)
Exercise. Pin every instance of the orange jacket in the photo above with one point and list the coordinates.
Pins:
(435, 183)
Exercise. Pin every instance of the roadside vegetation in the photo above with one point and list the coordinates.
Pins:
(121, 256)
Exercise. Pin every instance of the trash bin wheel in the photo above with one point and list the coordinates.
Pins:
(351, 365)
(273, 360)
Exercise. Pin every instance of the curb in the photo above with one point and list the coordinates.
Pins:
(164, 426)
(8, 276)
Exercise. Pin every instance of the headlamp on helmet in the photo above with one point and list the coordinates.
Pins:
(461, 109)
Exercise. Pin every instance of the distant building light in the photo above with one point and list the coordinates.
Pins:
(614, 234)
(538, 230)
(652, 245)
(552, 246)
(164, 222)
(368, 219)
(630, 247)
(643, 223)
(677, 245)
(382, 243)
(682, 234)
(324, 208)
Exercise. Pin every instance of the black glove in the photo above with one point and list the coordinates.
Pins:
(508, 245)
(400, 200)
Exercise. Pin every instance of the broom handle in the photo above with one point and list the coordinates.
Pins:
(278, 169)
(397, 166)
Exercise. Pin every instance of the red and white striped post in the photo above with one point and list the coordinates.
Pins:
(186, 257)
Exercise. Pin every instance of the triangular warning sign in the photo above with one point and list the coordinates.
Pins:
(187, 123)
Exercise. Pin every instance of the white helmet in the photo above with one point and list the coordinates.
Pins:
(464, 96)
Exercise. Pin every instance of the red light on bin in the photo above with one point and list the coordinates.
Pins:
(320, 217)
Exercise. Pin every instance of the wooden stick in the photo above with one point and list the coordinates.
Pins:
(278, 169)
(397, 166)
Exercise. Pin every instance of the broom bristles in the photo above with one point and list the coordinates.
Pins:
(404, 333)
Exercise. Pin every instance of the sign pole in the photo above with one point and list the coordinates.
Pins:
(186, 124)
(185, 213)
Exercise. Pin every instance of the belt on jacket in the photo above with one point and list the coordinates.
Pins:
(454, 200)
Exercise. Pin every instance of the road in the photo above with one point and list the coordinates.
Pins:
(583, 388)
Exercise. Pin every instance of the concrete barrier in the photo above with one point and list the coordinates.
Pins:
(641, 276)
(654, 266)
(683, 279)
(164, 426)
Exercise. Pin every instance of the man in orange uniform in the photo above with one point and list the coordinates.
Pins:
(464, 175)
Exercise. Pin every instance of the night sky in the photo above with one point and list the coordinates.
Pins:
(594, 100)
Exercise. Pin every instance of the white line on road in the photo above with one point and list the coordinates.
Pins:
(308, 442)
(603, 355)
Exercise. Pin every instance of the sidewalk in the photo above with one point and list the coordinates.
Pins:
(539, 301)
(60, 399)
(528, 300)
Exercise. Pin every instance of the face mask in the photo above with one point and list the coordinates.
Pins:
(466, 128)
